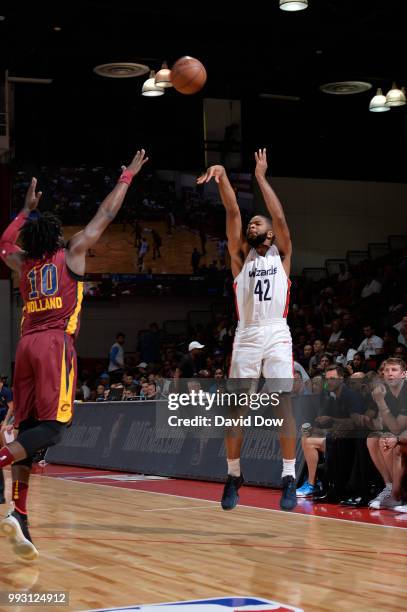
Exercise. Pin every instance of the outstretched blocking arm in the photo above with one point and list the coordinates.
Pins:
(275, 209)
(10, 252)
(236, 244)
(86, 238)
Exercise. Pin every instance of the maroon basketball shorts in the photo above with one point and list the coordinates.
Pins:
(45, 377)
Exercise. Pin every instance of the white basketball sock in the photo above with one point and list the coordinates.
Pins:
(234, 467)
(288, 468)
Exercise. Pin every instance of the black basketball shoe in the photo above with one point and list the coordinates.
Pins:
(230, 495)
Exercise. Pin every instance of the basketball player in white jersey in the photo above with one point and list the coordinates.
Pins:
(262, 344)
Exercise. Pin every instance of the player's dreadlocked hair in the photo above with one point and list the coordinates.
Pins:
(41, 236)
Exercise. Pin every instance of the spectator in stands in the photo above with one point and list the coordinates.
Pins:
(333, 426)
(304, 374)
(195, 259)
(142, 368)
(299, 384)
(144, 390)
(79, 397)
(402, 337)
(104, 379)
(101, 393)
(364, 477)
(218, 358)
(163, 384)
(190, 364)
(349, 328)
(324, 363)
(345, 353)
(168, 370)
(317, 385)
(130, 388)
(391, 401)
(86, 386)
(401, 352)
(372, 345)
(389, 342)
(311, 332)
(307, 353)
(336, 331)
(152, 393)
(319, 350)
(4, 381)
(116, 358)
(357, 364)
(372, 287)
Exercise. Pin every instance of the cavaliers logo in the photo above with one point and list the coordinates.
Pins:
(65, 407)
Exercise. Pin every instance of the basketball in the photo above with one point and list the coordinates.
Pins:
(188, 75)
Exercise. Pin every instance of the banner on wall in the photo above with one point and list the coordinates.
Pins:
(137, 437)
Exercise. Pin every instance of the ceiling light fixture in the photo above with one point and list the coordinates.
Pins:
(378, 103)
(293, 5)
(150, 89)
(121, 70)
(395, 97)
(163, 76)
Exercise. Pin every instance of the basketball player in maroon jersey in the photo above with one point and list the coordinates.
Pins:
(51, 285)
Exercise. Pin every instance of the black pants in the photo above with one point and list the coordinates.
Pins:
(339, 459)
(364, 474)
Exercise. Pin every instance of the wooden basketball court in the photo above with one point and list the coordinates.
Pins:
(114, 542)
(115, 252)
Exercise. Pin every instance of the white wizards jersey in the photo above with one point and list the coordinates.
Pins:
(262, 289)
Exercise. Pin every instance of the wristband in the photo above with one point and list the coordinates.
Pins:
(126, 177)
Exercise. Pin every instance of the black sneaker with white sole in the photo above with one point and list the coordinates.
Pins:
(15, 526)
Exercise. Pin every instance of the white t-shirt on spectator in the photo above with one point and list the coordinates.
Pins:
(369, 346)
(371, 288)
(343, 360)
(86, 392)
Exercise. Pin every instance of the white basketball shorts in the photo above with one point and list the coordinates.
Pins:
(264, 349)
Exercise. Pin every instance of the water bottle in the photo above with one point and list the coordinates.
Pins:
(306, 430)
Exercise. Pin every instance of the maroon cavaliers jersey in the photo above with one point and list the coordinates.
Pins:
(52, 295)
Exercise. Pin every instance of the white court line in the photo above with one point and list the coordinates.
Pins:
(210, 501)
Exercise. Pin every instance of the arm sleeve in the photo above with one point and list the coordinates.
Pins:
(10, 235)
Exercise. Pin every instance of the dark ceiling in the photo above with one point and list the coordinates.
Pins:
(249, 49)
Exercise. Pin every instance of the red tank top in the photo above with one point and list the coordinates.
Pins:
(52, 295)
